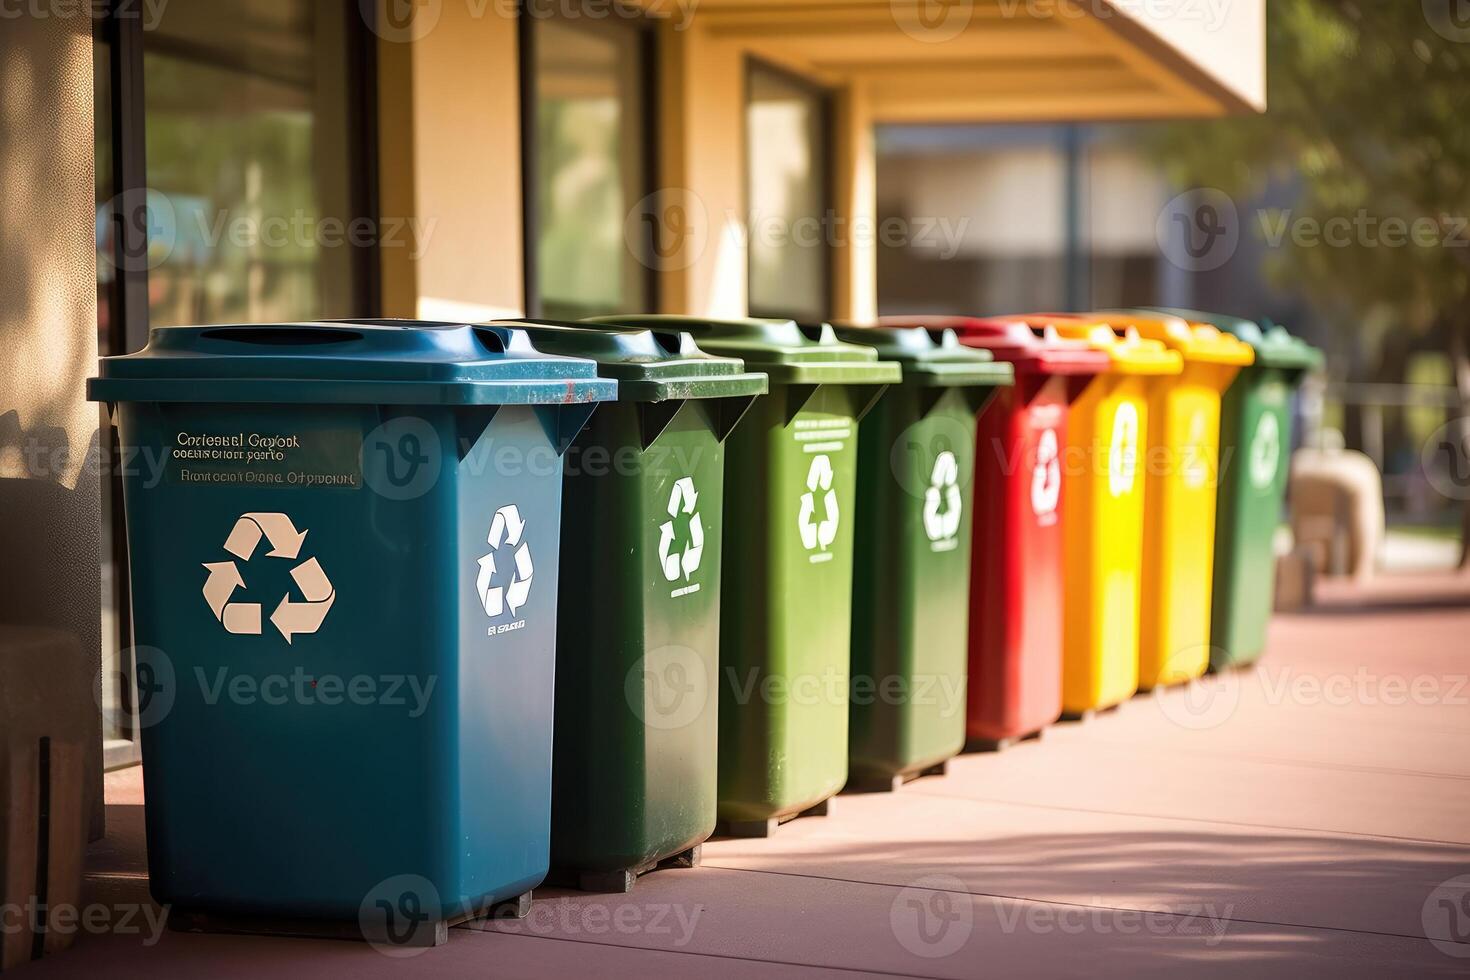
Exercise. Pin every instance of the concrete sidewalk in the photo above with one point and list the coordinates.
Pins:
(1293, 820)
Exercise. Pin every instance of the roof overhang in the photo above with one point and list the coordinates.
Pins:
(937, 61)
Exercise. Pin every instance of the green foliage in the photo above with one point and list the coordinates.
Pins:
(1367, 118)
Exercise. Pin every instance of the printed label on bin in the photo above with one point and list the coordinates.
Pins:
(1265, 451)
(503, 582)
(680, 563)
(225, 589)
(303, 458)
(1046, 478)
(1123, 453)
(943, 504)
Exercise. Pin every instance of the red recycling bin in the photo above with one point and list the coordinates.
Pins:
(1015, 647)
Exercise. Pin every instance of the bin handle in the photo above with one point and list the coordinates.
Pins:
(282, 336)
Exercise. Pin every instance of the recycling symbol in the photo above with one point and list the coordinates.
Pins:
(1046, 478)
(942, 503)
(814, 532)
(681, 501)
(1265, 451)
(507, 531)
(290, 618)
(1123, 458)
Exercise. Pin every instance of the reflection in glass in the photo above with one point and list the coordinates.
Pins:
(786, 161)
(247, 148)
(590, 167)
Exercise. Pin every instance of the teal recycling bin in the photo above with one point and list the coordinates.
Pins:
(635, 770)
(343, 542)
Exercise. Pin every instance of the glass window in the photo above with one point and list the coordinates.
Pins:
(995, 202)
(786, 172)
(247, 146)
(590, 166)
(246, 115)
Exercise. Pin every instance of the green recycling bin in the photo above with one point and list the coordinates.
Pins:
(634, 770)
(788, 565)
(1255, 446)
(911, 600)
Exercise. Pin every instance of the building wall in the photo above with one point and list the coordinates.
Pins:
(449, 163)
(50, 495)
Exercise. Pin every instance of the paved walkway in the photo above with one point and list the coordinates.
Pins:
(1296, 820)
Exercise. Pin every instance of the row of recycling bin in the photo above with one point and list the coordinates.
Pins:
(725, 568)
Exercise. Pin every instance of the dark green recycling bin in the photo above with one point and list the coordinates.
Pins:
(786, 623)
(911, 603)
(343, 542)
(1255, 449)
(634, 770)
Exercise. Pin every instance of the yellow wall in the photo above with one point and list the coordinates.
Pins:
(449, 159)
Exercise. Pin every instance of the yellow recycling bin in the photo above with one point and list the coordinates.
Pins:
(1183, 467)
(1103, 513)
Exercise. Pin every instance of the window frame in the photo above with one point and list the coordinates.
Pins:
(645, 34)
(825, 101)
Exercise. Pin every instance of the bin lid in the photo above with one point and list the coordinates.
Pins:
(391, 362)
(931, 358)
(1275, 346)
(1037, 351)
(789, 353)
(1199, 343)
(1128, 352)
(649, 365)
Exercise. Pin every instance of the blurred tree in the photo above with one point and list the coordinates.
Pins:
(1368, 103)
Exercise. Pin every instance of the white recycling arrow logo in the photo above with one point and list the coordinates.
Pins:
(816, 533)
(1046, 478)
(682, 500)
(1265, 451)
(942, 501)
(1123, 456)
(290, 618)
(506, 530)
